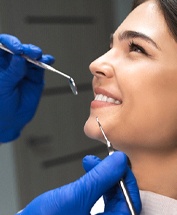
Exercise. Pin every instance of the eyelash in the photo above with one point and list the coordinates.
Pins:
(138, 48)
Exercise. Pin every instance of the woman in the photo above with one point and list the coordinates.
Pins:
(21, 86)
(135, 88)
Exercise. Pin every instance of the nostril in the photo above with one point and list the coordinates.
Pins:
(100, 73)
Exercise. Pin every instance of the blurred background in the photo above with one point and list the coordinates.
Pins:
(50, 150)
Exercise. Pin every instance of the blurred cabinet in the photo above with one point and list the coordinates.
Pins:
(51, 147)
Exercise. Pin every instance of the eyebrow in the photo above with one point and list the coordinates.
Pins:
(134, 34)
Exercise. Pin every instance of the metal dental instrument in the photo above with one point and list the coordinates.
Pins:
(45, 66)
(122, 183)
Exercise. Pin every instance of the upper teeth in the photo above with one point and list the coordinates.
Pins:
(104, 98)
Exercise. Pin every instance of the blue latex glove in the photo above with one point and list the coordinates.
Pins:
(21, 85)
(113, 198)
(78, 198)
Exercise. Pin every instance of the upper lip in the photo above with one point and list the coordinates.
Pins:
(106, 93)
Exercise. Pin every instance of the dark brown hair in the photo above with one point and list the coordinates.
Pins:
(169, 10)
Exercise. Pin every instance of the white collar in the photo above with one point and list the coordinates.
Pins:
(153, 204)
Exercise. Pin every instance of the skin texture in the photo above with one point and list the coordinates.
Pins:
(140, 72)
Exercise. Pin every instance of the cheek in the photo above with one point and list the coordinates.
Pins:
(148, 116)
(145, 125)
(153, 110)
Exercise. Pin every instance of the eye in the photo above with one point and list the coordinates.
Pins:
(133, 47)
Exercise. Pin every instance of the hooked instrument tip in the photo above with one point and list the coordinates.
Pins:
(102, 130)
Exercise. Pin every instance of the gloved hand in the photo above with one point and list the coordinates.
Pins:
(113, 198)
(21, 85)
(78, 198)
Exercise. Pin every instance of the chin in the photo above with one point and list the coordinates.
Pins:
(91, 129)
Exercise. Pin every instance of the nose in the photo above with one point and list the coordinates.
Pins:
(102, 67)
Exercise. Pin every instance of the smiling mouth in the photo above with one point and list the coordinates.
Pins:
(103, 98)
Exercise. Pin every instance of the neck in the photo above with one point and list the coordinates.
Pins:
(156, 172)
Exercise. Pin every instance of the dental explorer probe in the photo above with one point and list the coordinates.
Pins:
(45, 66)
(122, 183)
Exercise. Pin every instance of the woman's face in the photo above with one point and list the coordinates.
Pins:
(135, 84)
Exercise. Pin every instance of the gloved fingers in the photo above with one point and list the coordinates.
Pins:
(35, 74)
(112, 167)
(90, 187)
(103, 176)
(48, 59)
(32, 51)
(131, 184)
(78, 197)
(132, 187)
(11, 43)
(14, 73)
(115, 200)
(35, 52)
(89, 162)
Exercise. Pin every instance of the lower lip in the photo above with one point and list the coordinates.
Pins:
(99, 104)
